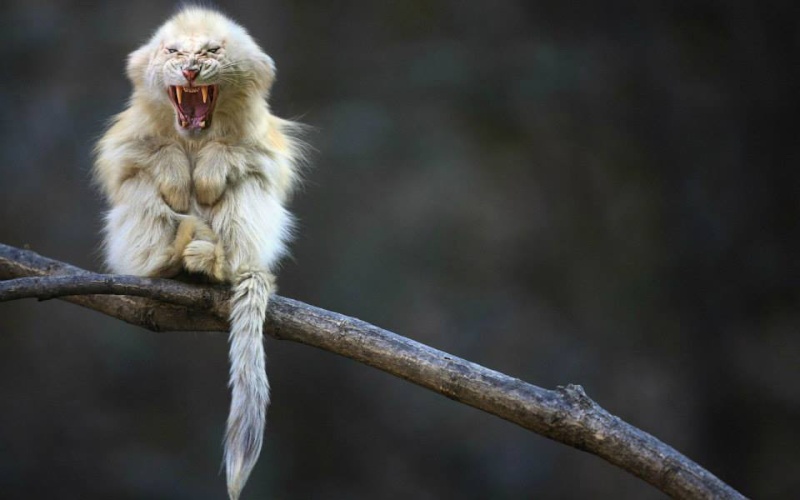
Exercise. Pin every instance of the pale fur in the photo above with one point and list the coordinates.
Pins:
(208, 202)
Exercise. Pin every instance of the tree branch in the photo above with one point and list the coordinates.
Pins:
(50, 287)
(566, 415)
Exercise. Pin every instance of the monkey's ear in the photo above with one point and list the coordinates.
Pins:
(264, 69)
(137, 64)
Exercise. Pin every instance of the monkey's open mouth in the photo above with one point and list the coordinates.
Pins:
(194, 104)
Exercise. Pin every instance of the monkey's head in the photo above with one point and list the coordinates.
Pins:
(199, 62)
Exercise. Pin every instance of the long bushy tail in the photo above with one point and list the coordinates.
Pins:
(249, 385)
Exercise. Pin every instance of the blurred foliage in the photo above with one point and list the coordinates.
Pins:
(603, 194)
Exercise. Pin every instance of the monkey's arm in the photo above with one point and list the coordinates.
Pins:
(147, 184)
(268, 157)
(172, 174)
(220, 165)
(121, 156)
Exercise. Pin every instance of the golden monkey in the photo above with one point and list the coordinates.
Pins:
(197, 171)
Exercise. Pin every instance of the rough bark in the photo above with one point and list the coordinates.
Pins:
(566, 414)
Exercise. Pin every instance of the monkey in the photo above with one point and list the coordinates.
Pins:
(197, 172)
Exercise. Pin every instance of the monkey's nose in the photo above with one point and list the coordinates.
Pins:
(190, 74)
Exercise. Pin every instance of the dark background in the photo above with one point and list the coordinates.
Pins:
(603, 193)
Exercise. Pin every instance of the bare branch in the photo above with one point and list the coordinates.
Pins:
(566, 415)
(49, 287)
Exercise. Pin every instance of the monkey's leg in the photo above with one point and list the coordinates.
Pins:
(252, 225)
(141, 232)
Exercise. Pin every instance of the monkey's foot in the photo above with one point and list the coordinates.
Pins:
(201, 256)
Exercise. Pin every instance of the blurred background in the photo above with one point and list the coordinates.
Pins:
(603, 194)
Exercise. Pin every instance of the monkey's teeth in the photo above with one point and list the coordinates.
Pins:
(178, 94)
(204, 90)
(203, 124)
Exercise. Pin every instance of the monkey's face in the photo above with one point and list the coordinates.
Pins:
(191, 72)
(204, 68)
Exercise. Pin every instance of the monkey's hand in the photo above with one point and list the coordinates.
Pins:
(210, 179)
(211, 173)
(176, 193)
(174, 179)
